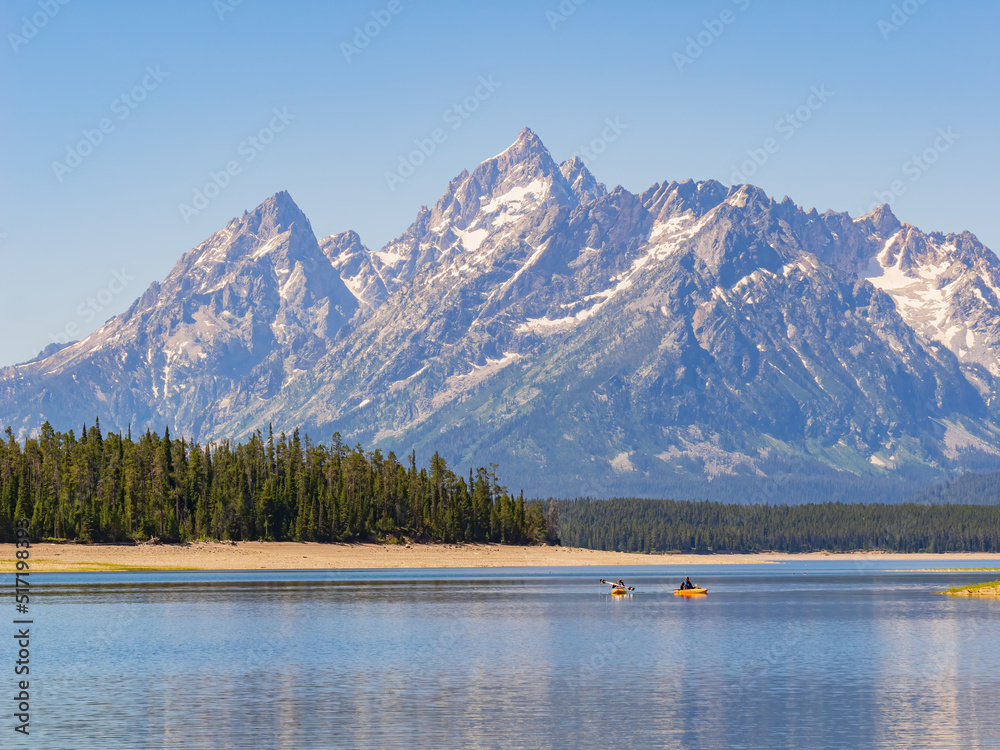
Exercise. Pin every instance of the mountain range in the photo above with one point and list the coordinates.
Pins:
(693, 340)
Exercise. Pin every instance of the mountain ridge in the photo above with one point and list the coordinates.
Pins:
(590, 340)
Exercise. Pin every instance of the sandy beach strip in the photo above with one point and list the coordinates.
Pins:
(315, 556)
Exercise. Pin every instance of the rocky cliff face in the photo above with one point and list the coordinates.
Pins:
(590, 342)
(239, 318)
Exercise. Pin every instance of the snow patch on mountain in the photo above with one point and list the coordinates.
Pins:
(516, 199)
(269, 246)
(389, 257)
(941, 292)
(621, 462)
(471, 239)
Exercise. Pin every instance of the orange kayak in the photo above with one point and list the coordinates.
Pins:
(690, 592)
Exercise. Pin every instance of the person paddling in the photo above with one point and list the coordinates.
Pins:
(687, 584)
(619, 584)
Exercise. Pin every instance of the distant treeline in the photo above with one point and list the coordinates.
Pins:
(978, 488)
(106, 487)
(638, 525)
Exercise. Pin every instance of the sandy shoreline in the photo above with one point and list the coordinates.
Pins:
(312, 556)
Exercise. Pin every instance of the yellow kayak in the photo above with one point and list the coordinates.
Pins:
(690, 592)
(618, 592)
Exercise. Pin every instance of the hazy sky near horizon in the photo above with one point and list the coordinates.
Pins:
(116, 115)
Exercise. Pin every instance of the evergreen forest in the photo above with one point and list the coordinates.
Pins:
(113, 488)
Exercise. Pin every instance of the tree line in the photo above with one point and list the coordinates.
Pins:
(640, 525)
(972, 487)
(111, 488)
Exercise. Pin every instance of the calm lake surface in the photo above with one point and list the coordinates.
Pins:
(825, 654)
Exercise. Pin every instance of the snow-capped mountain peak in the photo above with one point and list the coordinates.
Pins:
(947, 288)
(479, 209)
(589, 341)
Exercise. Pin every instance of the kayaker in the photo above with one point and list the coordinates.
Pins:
(687, 584)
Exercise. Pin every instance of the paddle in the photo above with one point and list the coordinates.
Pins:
(630, 588)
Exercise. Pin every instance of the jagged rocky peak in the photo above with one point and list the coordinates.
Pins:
(277, 213)
(669, 199)
(342, 246)
(274, 216)
(581, 181)
(528, 146)
(264, 269)
(911, 249)
(527, 154)
(49, 350)
(741, 196)
(527, 160)
(882, 220)
(267, 263)
(355, 264)
(917, 253)
(522, 178)
(518, 186)
(276, 230)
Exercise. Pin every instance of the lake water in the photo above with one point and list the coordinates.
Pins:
(825, 654)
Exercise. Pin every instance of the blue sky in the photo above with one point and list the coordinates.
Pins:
(113, 114)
